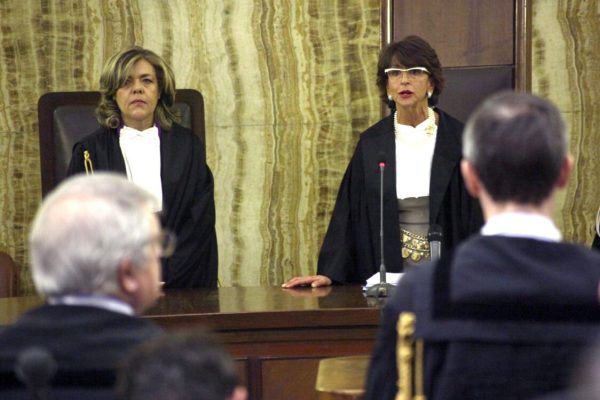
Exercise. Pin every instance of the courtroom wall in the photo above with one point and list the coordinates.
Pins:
(565, 69)
(288, 86)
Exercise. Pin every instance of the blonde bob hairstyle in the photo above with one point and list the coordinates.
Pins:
(115, 73)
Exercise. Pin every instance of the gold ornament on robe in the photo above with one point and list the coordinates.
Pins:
(415, 247)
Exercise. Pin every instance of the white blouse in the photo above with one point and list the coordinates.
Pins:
(414, 153)
(141, 151)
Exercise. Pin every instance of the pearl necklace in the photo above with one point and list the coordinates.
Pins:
(429, 128)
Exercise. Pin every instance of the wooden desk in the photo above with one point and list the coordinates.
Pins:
(277, 336)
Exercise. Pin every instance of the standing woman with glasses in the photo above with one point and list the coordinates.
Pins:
(421, 148)
(140, 138)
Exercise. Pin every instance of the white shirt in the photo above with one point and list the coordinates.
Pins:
(522, 225)
(141, 152)
(107, 303)
(414, 153)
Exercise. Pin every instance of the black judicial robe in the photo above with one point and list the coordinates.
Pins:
(188, 199)
(505, 318)
(596, 243)
(79, 337)
(350, 250)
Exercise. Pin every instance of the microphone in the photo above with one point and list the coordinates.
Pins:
(383, 288)
(35, 367)
(435, 242)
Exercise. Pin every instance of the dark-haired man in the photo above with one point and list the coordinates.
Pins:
(506, 315)
(182, 366)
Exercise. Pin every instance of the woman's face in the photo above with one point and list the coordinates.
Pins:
(138, 96)
(409, 88)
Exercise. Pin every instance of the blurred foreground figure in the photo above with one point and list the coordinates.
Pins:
(189, 366)
(506, 315)
(95, 250)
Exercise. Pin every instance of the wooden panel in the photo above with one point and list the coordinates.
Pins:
(466, 88)
(290, 379)
(463, 32)
(242, 368)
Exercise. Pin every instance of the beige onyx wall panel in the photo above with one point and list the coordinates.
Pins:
(288, 86)
(565, 53)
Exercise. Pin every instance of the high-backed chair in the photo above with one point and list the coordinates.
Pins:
(8, 275)
(66, 117)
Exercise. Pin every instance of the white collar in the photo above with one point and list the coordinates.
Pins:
(523, 225)
(127, 132)
(427, 127)
(105, 302)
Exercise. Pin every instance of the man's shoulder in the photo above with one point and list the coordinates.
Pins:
(529, 249)
(57, 322)
(76, 335)
(559, 280)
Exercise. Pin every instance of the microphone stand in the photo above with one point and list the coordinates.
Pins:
(381, 289)
(435, 242)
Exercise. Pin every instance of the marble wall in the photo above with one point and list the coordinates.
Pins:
(288, 86)
(565, 52)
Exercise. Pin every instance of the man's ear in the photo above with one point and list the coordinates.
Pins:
(470, 177)
(128, 281)
(565, 171)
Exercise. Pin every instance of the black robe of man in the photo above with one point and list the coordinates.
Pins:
(504, 318)
(350, 251)
(188, 199)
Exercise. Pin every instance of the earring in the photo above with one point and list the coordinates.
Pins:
(390, 98)
(429, 93)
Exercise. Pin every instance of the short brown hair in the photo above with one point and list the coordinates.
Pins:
(507, 121)
(412, 51)
(115, 73)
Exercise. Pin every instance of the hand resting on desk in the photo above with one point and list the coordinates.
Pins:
(311, 281)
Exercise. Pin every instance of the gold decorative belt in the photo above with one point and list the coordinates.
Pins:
(415, 247)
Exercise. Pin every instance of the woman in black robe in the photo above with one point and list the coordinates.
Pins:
(140, 138)
(421, 147)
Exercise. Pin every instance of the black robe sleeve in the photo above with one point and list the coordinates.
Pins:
(339, 259)
(188, 210)
(350, 252)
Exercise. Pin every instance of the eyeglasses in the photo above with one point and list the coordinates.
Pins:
(167, 241)
(412, 73)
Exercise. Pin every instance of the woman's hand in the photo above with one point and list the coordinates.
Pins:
(312, 281)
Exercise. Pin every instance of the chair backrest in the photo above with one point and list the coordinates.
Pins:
(66, 117)
(8, 275)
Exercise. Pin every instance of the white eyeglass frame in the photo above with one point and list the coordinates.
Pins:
(406, 70)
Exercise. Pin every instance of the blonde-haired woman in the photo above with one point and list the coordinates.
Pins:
(139, 137)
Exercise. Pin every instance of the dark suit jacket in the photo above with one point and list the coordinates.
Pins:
(79, 337)
(188, 199)
(505, 318)
(350, 251)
